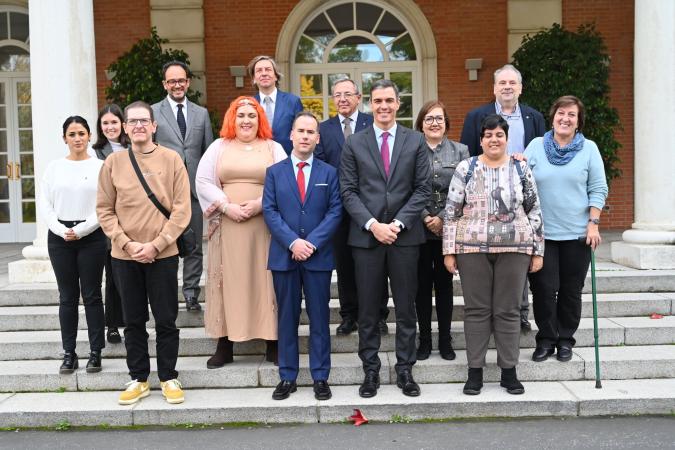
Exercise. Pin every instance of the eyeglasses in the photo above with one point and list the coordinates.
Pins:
(135, 122)
(346, 95)
(180, 82)
(428, 120)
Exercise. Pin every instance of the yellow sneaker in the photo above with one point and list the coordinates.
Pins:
(135, 391)
(172, 391)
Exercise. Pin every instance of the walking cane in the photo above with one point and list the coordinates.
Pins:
(598, 384)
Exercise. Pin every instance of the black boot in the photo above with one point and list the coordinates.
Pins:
(271, 352)
(114, 336)
(94, 363)
(223, 354)
(70, 363)
(424, 350)
(475, 382)
(510, 382)
(445, 347)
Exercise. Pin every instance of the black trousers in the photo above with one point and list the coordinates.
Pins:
(373, 267)
(556, 291)
(113, 302)
(156, 283)
(78, 266)
(346, 280)
(433, 277)
(193, 264)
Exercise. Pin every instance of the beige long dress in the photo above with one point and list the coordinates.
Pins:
(240, 302)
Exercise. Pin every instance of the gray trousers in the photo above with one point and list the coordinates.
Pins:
(493, 288)
(193, 263)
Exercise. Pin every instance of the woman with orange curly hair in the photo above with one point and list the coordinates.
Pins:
(240, 302)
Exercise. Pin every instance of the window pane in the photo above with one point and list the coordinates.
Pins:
(355, 49)
(3, 141)
(336, 76)
(2, 93)
(320, 30)
(27, 188)
(308, 51)
(14, 59)
(3, 26)
(403, 49)
(19, 26)
(368, 78)
(22, 93)
(3, 164)
(4, 189)
(315, 105)
(342, 17)
(27, 164)
(310, 85)
(389, 28)
(25, 140)
(25, 118)
(4, 211)
(406, 107)
(366, 16)
(3, 117)
(28, 212)
(405, 122)
(403, 81)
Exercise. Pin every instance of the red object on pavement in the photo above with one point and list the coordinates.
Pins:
(358, 418)
(656, 316)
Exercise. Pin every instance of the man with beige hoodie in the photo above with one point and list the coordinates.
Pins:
(144, 251)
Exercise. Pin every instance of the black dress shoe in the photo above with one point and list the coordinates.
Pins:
(284, 390)
(113, 335)
(564, 353)
(382, 326)
(94, 363)
(347, 326)
(70, 363)
(445, 348)
(370, 385)
(405, 381)
(525, 325)
(322, 390)
(192, 304)
(424, 350)
(541, 354)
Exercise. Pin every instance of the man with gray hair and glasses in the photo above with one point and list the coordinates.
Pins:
(525, 124)
(348, 120)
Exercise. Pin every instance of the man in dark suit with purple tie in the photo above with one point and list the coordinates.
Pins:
(302, 209)
(349, 120)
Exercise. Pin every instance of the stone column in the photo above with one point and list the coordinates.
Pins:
(650, 243)
(63, 83)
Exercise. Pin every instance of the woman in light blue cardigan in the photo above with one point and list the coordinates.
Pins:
(570, 178)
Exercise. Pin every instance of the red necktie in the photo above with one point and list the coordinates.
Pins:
(384, 151)
(301, 180)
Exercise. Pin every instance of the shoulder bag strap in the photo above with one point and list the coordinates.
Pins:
(151, 195)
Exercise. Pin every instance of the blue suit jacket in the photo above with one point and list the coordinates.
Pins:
(332, 139)
(288, 219)
(285, 109)
(533, 123)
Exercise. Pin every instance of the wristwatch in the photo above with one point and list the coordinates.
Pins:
(594, 221)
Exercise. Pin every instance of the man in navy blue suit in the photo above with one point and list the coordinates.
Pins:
(349, 120)
(525, 124)
(280, 107)
(302, 209)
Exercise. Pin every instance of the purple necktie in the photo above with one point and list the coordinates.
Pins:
(384, 152)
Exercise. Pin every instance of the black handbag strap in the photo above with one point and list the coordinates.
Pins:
(151, 195)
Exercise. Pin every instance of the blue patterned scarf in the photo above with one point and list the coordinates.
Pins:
(560, 156)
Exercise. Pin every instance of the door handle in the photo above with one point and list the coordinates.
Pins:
(9, 171)
(17, 171)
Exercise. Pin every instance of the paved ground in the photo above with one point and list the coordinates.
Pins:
(596, 433)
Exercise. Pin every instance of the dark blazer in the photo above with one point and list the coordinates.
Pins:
(332, 139)
(533, 123)
(315, 220)
(198, 134)
(103, 153)
(368, 193)
(286, 107)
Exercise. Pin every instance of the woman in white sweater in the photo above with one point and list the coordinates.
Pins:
(75, 241)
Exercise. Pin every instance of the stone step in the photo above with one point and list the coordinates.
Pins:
(29, 318)
(437, 401)
(613, 279)
(657, 361)
(20, 345)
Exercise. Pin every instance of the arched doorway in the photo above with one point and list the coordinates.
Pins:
(17, 179)
(366, 40)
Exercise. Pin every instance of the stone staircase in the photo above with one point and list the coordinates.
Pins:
(637, 363)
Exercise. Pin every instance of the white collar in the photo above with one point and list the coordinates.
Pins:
(353, 117)
(273, 96)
